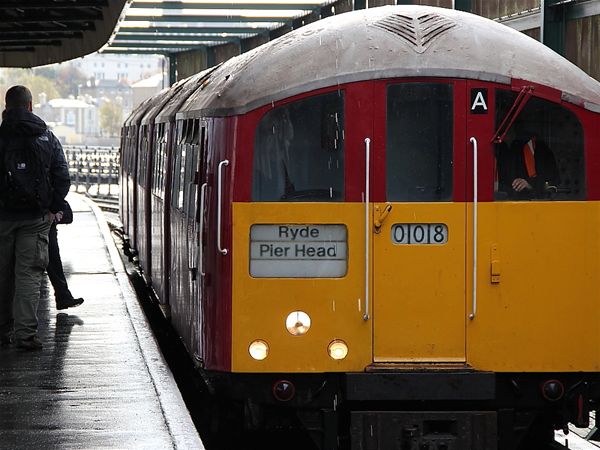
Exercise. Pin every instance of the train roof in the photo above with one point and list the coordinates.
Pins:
(385, 42)
(161, 101)
(190, 85)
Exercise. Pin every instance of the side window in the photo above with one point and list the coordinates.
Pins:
(158, 150)
(143, 158)
(132, 148)
(541, 156)
(419, 142)
(179, 154)
(203, 144)
(163, 160)
(190, 190)
(299, 152)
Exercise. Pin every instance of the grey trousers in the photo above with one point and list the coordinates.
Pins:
(23, 259)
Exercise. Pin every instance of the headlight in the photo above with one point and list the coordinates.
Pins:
(258, 350)
(297, 323)
(337, 349)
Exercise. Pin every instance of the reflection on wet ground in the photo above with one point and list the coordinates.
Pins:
(90, 386)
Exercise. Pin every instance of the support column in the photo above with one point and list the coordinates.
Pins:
(360, 4)
(463, 5)
(172, 69)
(554, 24)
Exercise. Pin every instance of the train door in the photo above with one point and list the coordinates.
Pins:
(195, 219)
(419, 231)
(535, 234)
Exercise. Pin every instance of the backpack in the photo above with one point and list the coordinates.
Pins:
(25, 173)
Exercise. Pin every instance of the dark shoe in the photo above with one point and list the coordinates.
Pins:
(31, 343)
(6, 339)
(68, 303)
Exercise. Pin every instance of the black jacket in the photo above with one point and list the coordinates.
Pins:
(511, 165)
(19, 122)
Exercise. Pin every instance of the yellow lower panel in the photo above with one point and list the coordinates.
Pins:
(335, 305)
(539, 313)
(543, 314)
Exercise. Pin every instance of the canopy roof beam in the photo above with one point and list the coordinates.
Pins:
(177, 5)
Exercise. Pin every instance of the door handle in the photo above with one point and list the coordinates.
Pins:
(475, 210)
(367, 224)
(382, 216)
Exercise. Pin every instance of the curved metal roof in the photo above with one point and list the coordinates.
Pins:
(390, 41)
(38, 32)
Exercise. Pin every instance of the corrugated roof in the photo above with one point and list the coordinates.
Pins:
(171, 26)
(39, 32)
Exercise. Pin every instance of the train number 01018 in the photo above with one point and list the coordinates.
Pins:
(419, 233)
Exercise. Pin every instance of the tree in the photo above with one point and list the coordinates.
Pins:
(111, 118)
(36, 83)
(69, 78)
(54, 80)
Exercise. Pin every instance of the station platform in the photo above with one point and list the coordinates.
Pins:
(100, 381)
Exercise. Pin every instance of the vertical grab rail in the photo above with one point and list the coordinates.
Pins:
(475, 210)
(219, 204)
(367, 223)
(201, 230)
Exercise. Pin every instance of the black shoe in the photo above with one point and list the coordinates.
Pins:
(7, 339)
(69, 303)
(31, 343)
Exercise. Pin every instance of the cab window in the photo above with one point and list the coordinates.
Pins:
(541, 155)
(419, 142)
(299, 152)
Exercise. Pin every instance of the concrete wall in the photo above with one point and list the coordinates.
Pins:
(499, 8)
(583, 44)
(189, 63)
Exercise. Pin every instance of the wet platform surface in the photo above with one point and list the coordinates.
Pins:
(100, 380)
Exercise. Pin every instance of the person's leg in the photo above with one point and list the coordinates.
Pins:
(55, 269)
(7, 280)
(31, 259)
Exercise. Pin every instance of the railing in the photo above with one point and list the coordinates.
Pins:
(94, 170)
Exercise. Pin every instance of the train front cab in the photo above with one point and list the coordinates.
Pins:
(367, 240)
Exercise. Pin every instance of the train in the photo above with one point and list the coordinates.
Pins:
(382, 228)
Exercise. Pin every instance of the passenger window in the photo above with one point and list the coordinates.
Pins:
(201, 163)
(419, 142)
(143, 159)
(191, 190)
(178, 163)
(299, 152)
(159, 160)
(541, 156)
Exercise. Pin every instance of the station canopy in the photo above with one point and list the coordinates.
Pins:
(39, 32)
(171, 26)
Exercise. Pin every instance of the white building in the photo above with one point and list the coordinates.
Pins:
(75, 114)
(147, 87)
(130, 68)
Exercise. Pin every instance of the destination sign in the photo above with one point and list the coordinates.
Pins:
(298, 251)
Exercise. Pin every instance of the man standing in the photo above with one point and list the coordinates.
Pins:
(34, 180)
